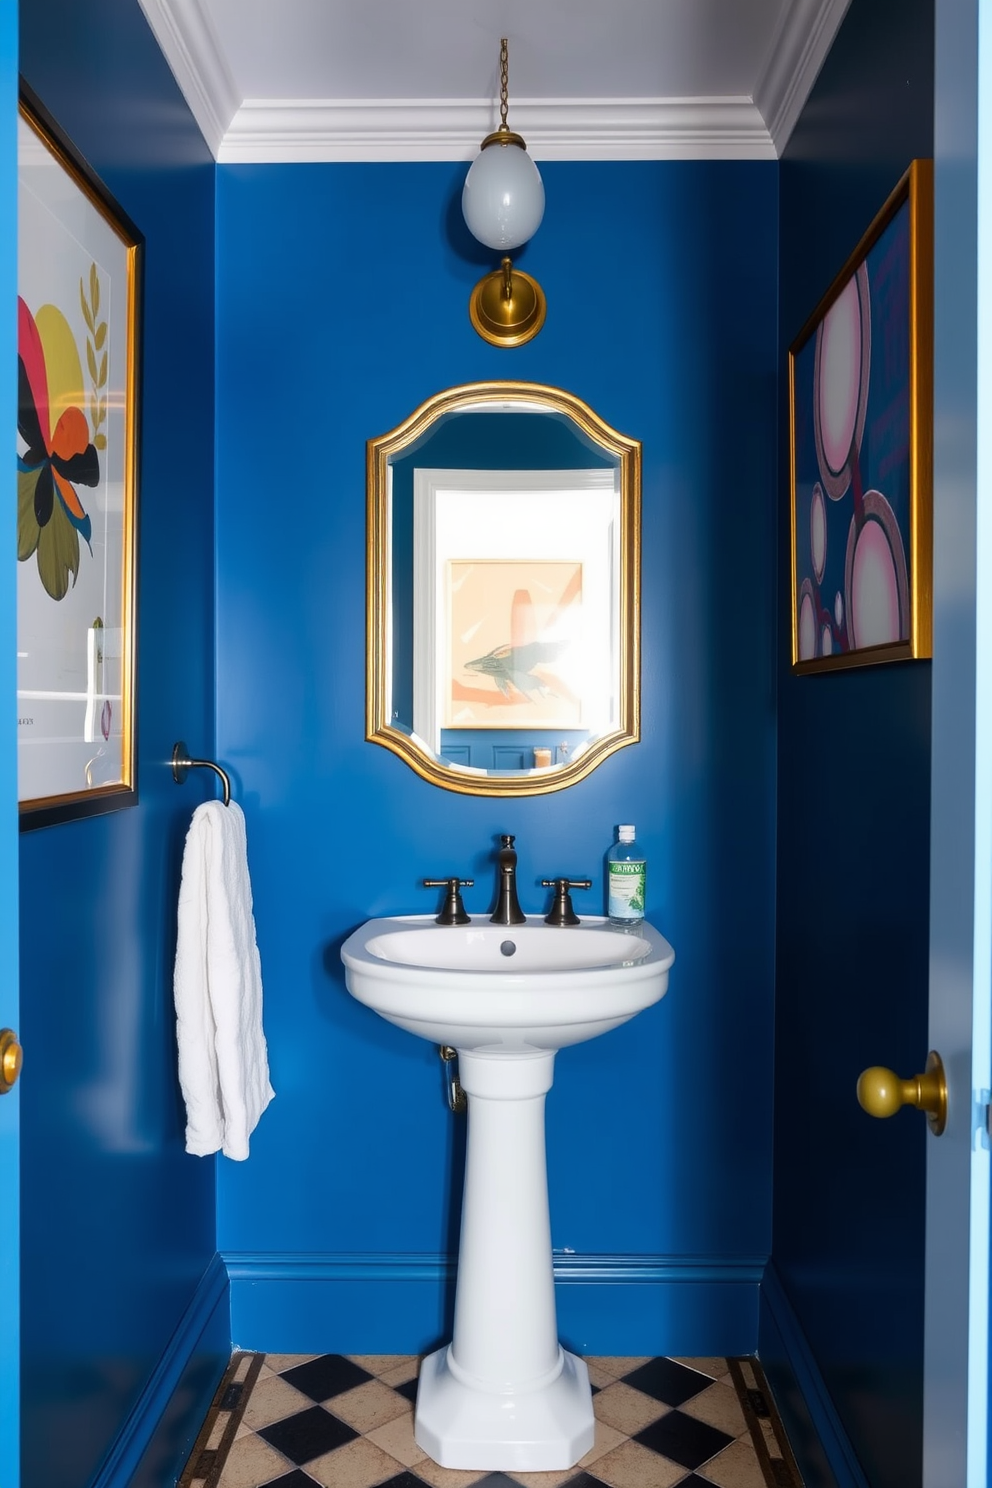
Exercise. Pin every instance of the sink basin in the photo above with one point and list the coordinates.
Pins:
(504, 1396)
(481, 984)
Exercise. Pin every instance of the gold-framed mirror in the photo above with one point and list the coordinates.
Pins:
(503, 591)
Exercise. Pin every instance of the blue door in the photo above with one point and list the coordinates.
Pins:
(956, 1334)
(9, 1124)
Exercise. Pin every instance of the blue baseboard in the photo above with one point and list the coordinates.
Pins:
(822, 1447)
(402, 1304)
(152, 1446)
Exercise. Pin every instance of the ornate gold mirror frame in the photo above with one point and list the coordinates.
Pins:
(625, 455)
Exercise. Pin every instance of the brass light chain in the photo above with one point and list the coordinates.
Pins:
(504, 75)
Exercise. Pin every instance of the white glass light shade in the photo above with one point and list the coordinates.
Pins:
(503, 197)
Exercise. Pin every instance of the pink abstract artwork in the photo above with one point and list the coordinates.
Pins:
(853, 429)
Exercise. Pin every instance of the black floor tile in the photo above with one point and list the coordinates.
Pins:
(313, 1432)
(232, 1396)
(684, 1439)
(664, 1380)
(327, 1375)
(756, 1400)
(308, 1434)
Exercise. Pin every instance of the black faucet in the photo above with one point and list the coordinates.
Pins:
(508, 911)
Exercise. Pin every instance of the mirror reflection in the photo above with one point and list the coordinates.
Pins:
(503, 573)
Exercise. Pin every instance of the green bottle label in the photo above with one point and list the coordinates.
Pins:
(626, 893)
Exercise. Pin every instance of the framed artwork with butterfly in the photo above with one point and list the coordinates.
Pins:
(79, 283)
(861, 425)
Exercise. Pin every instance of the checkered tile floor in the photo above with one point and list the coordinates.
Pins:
(293, 1421)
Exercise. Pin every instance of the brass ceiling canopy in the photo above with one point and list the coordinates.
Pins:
(503, 203)
(504, 135)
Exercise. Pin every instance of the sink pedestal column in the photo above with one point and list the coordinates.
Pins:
(504, 1395)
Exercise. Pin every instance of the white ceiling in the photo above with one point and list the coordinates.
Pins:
(292, 80)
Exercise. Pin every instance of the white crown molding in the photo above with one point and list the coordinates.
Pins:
(288, 130)
(802, 39)
(292, 130)
(187, 40)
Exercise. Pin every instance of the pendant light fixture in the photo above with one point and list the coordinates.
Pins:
(503, 203)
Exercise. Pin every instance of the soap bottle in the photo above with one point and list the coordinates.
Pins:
(626, 871)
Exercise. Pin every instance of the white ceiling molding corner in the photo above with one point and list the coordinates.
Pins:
(803, 36)
(187, 40)
(323, 130)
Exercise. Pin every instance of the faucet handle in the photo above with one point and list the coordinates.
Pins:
(453, 912)
(562, 912)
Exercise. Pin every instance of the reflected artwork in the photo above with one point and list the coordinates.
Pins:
(513, 654)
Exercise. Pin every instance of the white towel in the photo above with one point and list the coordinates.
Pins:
(223, 1063)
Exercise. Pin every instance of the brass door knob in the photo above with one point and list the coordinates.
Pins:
(11, 1059)
(882, 1093)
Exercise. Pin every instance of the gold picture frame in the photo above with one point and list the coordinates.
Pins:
(861, 448)
(79, 282)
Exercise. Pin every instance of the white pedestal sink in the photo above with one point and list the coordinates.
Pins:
(504, 1395)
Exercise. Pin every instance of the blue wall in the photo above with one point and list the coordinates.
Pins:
(118, 1223)
(342, 304)
(853, 841)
